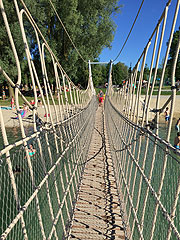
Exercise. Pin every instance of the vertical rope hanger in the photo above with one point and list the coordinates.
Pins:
(131, 178)
(85, 110)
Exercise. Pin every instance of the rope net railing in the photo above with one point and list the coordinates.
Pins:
(40, 169)
(146, 164)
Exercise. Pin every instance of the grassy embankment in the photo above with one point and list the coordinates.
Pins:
(7, 102)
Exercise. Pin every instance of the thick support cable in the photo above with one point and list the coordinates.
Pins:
(157, 197)
(60, 122)
(173, 211)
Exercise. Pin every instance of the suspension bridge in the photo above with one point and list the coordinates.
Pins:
(95, 172)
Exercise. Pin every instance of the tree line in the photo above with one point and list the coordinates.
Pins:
(91, 28)
(89, 23)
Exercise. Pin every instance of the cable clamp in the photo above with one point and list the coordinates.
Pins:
(36, 187)
(156, 110)
(167, 152)
(173, 87)
(16, 86)
(18, 112)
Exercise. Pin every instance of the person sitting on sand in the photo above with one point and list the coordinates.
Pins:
(177, 126)
(167, 114)
(177, 141)
(23, 111)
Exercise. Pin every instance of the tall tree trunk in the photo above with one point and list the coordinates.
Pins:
(11, 91)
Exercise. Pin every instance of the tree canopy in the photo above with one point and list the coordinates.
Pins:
(120, 73)
(89, 24)
(91, 28)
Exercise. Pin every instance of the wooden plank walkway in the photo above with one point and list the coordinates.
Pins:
(97, 212)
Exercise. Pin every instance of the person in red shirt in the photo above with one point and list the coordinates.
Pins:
(100, 96)
(12, 102)
(32, 102)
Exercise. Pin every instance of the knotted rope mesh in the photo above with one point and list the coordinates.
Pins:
(38, 191)
(56, 178)
(146, 164)
(41, 169)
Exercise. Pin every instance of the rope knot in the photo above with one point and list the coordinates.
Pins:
(17, 86)
(173, 87)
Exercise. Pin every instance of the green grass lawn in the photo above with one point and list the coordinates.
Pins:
(7, 102)
(164, 87)
(143, 92)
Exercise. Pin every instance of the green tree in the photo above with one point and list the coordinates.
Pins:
(146, 73)
(7, 60)
(120, 73)
(100, 74)
(89, 24)
(91, 27)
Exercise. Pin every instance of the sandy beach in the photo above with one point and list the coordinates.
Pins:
(9, 117)
(163, 100)
(10, 120)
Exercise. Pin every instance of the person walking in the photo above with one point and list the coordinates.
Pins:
(166, 113)
(100, 96)
(12, 102)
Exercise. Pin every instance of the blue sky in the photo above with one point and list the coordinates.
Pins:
(143, 28)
